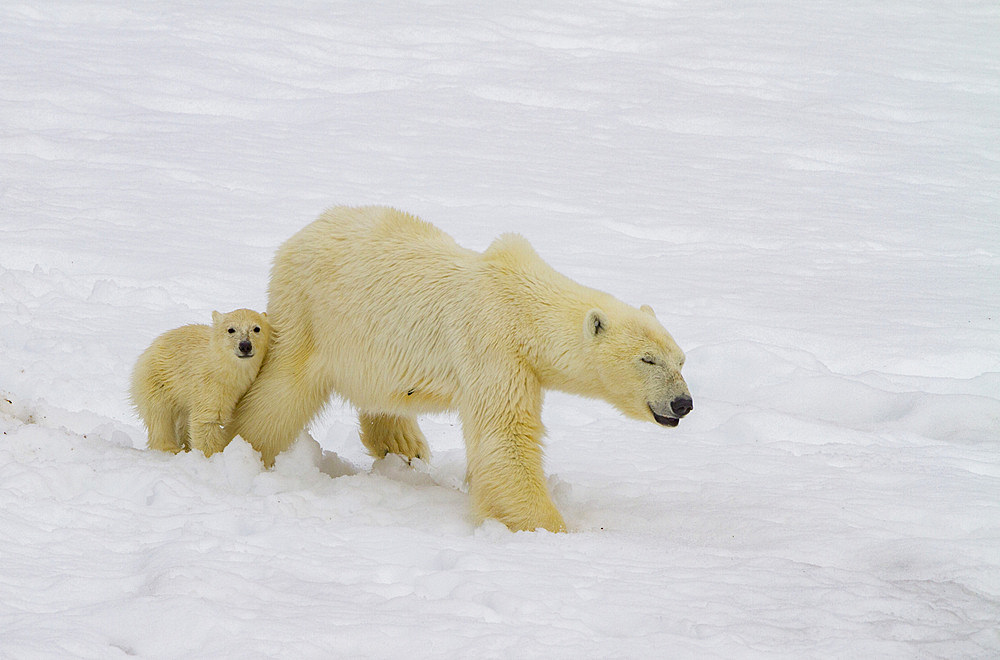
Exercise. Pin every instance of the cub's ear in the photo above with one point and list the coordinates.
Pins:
(216, 317)
(263, 315)
(648, 310)
(595, 324)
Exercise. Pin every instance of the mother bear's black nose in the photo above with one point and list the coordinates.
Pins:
(245, 346)
(682, 405)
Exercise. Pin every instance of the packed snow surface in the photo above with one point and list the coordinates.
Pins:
(805, 192)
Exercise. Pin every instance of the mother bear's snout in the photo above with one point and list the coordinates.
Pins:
(682, 405)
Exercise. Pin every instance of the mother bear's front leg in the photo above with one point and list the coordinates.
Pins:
(503, 431)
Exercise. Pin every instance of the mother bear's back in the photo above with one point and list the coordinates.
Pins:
(378, 293)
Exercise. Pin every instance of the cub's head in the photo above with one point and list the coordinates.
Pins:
(243, 332)
(638, 364)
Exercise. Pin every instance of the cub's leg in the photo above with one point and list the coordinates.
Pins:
(183, 431)
(162, 427)
(392, 434)
(206, 427)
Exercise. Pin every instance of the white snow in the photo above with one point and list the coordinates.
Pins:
(807, 193)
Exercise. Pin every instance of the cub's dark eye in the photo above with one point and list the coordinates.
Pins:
(256, 328)
(232, 330)
(648, 360)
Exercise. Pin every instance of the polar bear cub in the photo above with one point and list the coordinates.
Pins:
(185, 386)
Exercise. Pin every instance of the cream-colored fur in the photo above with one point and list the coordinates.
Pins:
(390, 313)
(186, 384)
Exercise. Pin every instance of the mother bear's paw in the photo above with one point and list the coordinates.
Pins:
(391, 434)
(524, 509)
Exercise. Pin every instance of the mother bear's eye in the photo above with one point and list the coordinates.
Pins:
(256, 328)
(648, 360)
(232, 330)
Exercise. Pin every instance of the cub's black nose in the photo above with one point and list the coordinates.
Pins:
(246, 347)
(682, 405)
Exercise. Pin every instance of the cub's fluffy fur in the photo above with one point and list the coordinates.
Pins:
(187, 383)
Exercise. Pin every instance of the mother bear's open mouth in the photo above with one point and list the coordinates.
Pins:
(663, 421)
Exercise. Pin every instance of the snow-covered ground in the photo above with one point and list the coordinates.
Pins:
(808, 193)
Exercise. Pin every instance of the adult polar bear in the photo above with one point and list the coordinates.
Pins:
(390, 313)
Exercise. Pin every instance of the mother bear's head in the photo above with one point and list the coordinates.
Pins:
(638, 364)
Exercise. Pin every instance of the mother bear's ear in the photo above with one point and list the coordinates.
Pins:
(595, 324)
(647, 309)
